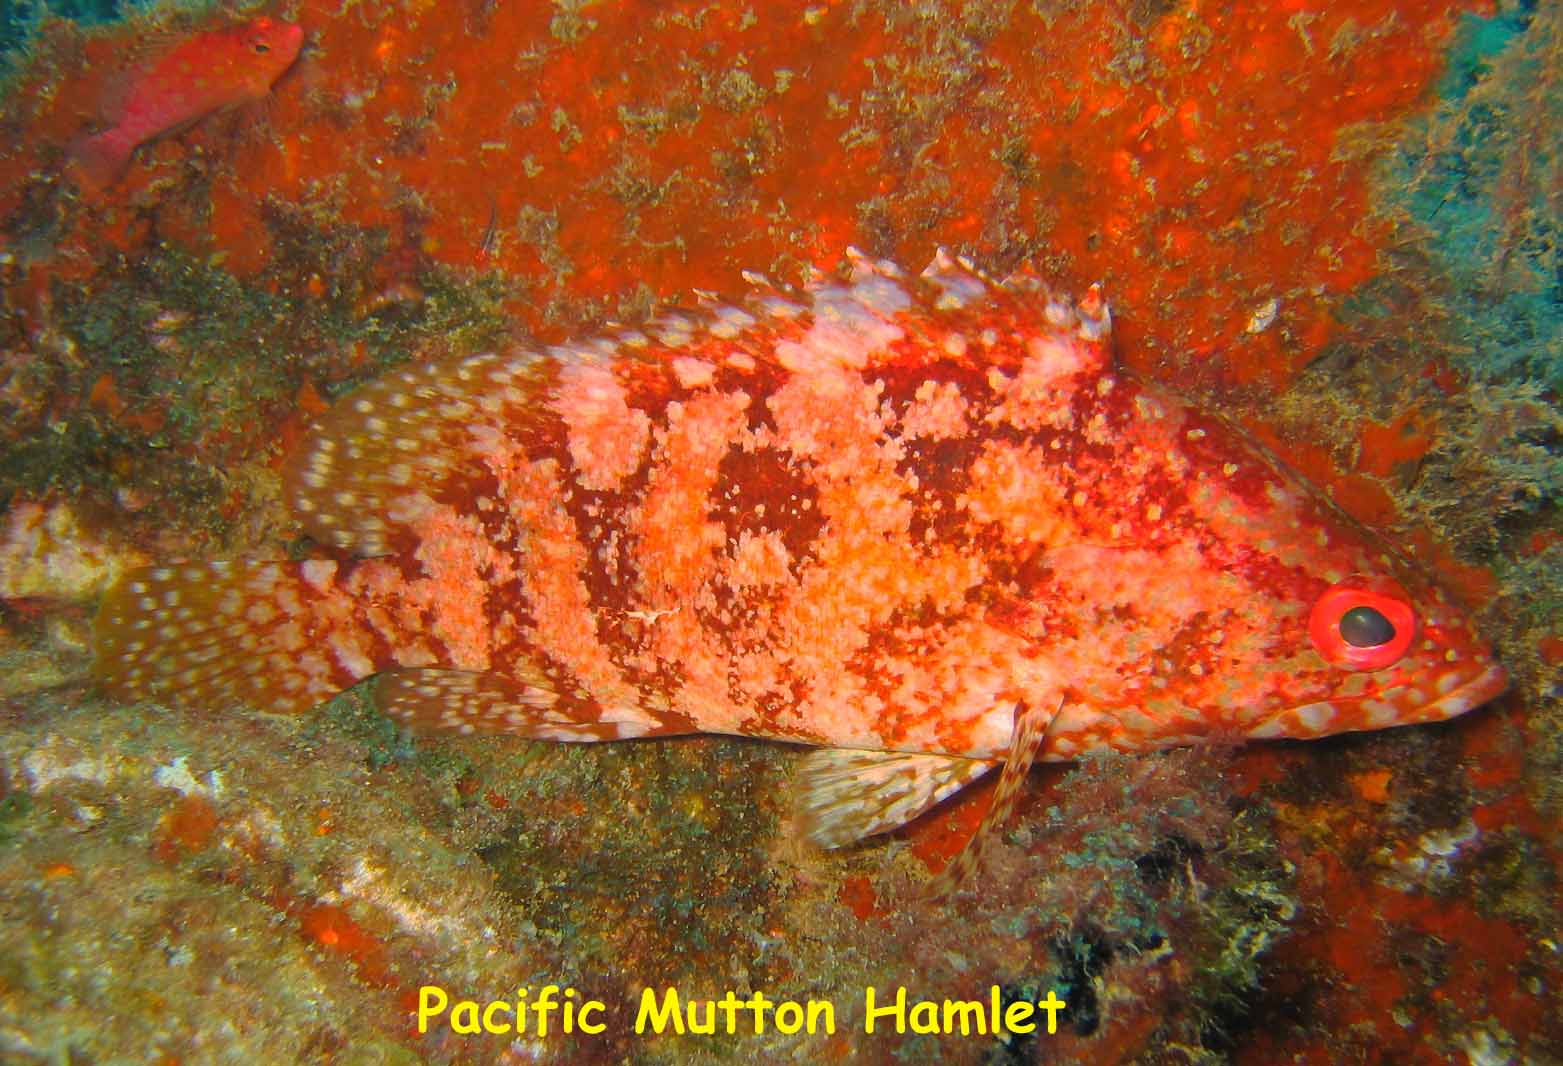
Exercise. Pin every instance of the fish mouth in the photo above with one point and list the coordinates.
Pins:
(1450, 695)
(1399, 706)
(1485, 686)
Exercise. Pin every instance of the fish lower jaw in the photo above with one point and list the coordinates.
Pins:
(1485, 686)
(1401, 705)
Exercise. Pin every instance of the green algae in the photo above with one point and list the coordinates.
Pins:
(1208, 887)
(1474, 186)
(14, 807)
(205, 365)
(119, 945)
(663, 844)
(1510, 878)
(20, 19)
(1462, 330)
(353, 716)
(1480, 176)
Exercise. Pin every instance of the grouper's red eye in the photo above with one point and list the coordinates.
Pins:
(1363, 623)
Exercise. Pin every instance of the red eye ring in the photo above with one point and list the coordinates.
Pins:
(1380, 623)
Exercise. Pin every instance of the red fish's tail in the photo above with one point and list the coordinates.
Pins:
(101, 158)
(277, 636)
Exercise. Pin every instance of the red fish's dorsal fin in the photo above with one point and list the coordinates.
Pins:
(384, 451)
(388, 448)
(161, 56)
(855, 315)
(961, 283)
(1031, 722)
(221, 633)
(464, 701)
(151, 46)
(846, 794)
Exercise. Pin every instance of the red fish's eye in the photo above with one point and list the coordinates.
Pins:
(1366, 627)
(1363, 623)
(262, 47)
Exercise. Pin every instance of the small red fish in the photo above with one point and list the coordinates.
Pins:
(921, 523)
(209, 72)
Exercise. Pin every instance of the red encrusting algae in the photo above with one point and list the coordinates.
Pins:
(333, 928)
(1116, 155)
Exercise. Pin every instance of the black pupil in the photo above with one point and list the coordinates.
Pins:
(263, 47)
(1364, 627)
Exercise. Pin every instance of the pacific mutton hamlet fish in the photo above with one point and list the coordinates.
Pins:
(921, 523)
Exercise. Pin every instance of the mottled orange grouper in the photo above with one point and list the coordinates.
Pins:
(920, 523)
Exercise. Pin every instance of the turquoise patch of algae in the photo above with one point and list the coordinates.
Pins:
(1478, 175)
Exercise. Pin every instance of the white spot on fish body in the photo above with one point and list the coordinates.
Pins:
(1316, 717)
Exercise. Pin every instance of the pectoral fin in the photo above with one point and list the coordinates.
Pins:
(1031, 723)
(847, 794)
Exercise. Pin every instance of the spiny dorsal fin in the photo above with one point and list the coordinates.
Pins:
(432, 699)
(132, 65)
(1031, 722)
(846, 794)
(383, 452)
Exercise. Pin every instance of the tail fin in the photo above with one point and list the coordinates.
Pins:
(204, 634)
(101, 158)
